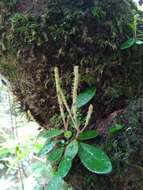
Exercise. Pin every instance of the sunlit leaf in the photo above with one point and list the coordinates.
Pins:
(67, 134)
(71, 149)
(48, 146)
(90, 134)
(84, 97)
(51, 133)
(94, 159)
(56, 183)
(139, 42)
(55, 154)
(129, 43)
(64, 167)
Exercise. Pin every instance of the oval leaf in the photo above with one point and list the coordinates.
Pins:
(55, 154)
(115, 129)
(84, 97)
(129, 43)
(90, 134)
(56, 183)
(71, 149)
(51, 133)
(94, 159)
(48, 146)
(64, 167)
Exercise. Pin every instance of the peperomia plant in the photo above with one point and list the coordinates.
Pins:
(64, 144)
(137, 38)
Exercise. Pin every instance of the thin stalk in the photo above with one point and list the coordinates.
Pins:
(88, 117)
(13, 124)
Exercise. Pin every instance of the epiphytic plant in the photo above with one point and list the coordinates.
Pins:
(64, 144)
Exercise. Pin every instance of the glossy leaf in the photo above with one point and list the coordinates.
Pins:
(94, 159)
(64, 167)
(51, 133)
(90, 134)
(129, 43)
(55, 154)
(139, 42)
(48, 146)
(71, 149)
(84, 97)
(115, 129)
(56, 183)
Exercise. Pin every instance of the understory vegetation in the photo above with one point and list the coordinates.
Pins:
(76, 67)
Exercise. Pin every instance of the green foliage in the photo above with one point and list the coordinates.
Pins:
(89, 134)
(94, 159)
(48, 146)
(137, 33)
(66, 33)
(55, 154)
(115, 129)
(84, 97)
(63, 22)
(29, 30)
(139, 42)
(64, 166)
(129, 43)
(51, 133)
(18, 147)
(71, 149)
(68, 134)
(63, 145)
(55, 184)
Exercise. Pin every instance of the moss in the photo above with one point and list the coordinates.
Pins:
(66, 33)
(35, 36)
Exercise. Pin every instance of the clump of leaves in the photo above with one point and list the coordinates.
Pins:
(137, 39)
(65, 143)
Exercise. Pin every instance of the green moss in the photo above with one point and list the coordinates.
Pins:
(67, 33)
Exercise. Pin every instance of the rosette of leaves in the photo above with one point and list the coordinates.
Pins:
(65, 143)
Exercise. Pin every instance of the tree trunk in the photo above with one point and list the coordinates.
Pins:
(89, 33)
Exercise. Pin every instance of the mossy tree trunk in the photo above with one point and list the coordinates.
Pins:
(38, 35)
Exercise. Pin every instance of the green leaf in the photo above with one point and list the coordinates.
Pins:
(55, 154)
(48, 146)
(84, 97)
(51, 133)
(67, 134)
(139, 42)
(115, 129)
(64, 167)
(90, 134)
(56, 183)
(71, 149)
(94, 159)
(129, 43)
